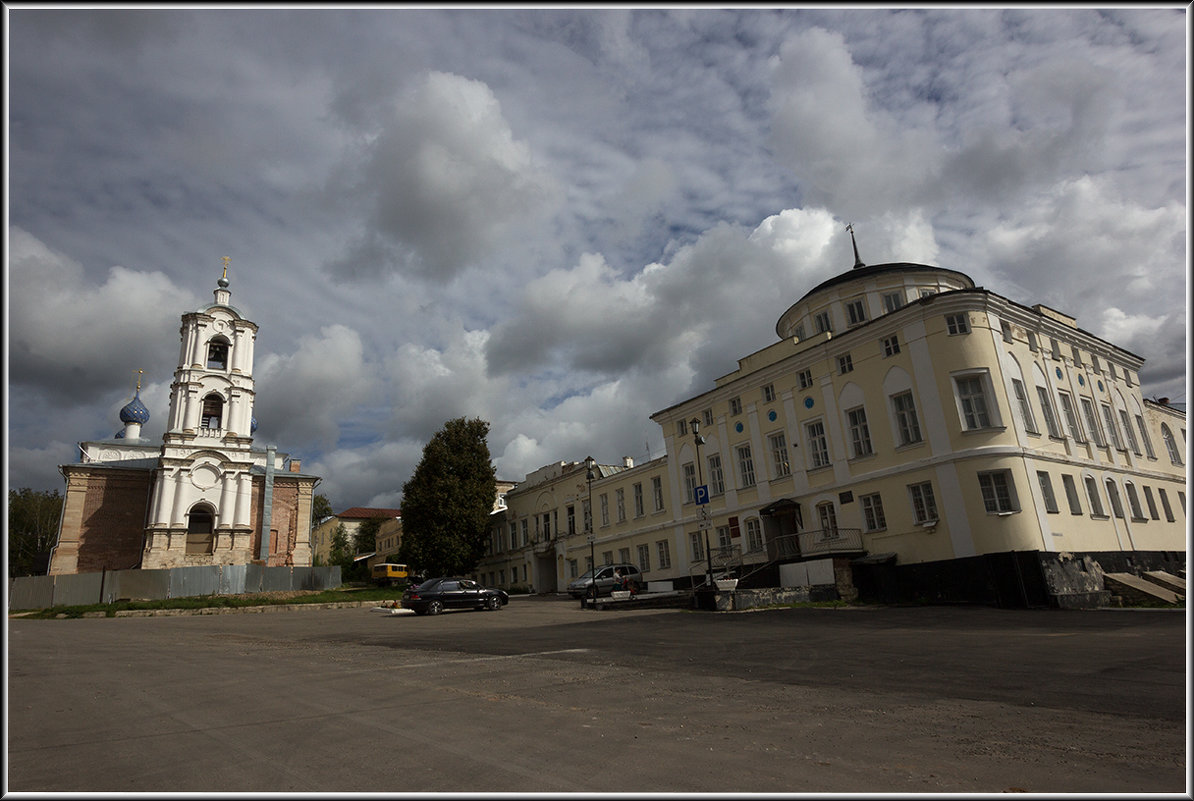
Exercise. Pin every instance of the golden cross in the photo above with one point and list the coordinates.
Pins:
(139, 372)
(850, 227)
(225, 259)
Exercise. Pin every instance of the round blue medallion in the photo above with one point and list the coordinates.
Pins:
(1081, 381)
(738, 427)
(771, 415)
(1059, 372)
(1100, 386)
(808, 403)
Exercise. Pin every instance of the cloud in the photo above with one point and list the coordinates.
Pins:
(445, 182)
(67, 336)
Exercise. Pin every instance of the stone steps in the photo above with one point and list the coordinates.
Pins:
(1137, 590)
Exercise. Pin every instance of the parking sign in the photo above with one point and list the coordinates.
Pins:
(701, 494)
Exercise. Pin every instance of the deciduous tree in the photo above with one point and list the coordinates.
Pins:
(32, 528)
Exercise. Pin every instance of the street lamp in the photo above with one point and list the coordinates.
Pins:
(591, 464)
(695, 425)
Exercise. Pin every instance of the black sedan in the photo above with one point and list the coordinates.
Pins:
(435, 595)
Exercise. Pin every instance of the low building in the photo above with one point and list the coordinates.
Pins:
(913, 434)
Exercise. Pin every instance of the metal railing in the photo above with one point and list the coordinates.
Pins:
(817, 541)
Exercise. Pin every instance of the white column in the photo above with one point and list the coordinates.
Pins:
(177, 513)
(155, 508)
(243, 497)
(227, 499)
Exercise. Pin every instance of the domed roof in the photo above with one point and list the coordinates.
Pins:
(134, 411)
(252, 425)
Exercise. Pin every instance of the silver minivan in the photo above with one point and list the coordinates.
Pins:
(606, 582)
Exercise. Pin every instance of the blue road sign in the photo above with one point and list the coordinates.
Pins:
(701, 494)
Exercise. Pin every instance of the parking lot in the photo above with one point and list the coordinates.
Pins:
(545, 697)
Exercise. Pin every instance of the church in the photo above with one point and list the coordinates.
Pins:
(204, 495)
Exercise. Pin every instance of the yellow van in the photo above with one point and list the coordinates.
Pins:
(390, 573)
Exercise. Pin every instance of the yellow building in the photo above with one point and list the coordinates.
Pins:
(910, 435)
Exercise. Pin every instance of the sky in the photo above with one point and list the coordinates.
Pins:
(558, 220)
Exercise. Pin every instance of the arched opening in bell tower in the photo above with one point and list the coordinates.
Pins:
(213, 411)
(217, 354)
(200, 529)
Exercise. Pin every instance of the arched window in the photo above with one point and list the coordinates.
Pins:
(1175, 455)
(213, 411)
(200, 527)
(217, 354)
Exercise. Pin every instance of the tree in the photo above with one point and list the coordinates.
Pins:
(367, 535)
(341, 551)
(446, 504)
(321, 508)
(32, 529)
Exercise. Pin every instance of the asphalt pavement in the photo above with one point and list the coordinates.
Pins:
(545, 697)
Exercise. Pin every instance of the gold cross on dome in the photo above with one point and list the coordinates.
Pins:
(139, 373)
(225, 259)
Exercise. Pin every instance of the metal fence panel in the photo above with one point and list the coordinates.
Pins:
(78, 589)
(276, 579)
(305, 578)
(254, 576)
(186, 582)
(31, 592)
(151, 585)
(232, 579)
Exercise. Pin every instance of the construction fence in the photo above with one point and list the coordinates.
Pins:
(82, 589)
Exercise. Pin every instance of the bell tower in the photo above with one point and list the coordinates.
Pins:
(200, 510)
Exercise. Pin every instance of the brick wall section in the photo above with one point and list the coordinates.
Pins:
(112, 527)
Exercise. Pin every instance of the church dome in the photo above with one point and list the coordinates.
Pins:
(134, 411)
(252, 425)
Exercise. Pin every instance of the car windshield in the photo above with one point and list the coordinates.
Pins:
(428, 584)
(588, 574)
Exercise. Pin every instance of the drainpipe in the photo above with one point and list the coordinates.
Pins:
(268, 506)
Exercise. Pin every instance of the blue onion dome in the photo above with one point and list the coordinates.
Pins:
(134, 411)
(119, 434)
(252, 425)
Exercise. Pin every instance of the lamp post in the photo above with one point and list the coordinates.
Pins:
(695, 424)
(591, 464)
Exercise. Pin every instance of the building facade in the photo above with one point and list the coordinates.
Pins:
(908, 428)
(204, 495)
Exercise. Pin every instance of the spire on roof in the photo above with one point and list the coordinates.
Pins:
(857, 261)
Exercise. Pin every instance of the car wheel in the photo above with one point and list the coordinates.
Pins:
(434, 608)
(493, 603)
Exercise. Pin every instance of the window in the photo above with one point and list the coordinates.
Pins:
(856, 312)
(620, 504)
(906, 421)
(1006, 329)
(1047, 412)
(681, 428)
(1134, 502)
(1071, 493)
(604, 509)
(200, 530)
(723, 538)
(997, 489)
(708, 418)
(573, 568)
(957, 324)
(1056, 350)
(690, 482)
(1148, 445)
(754, 535)
(1111, 368)
(1032, 343)
(735, 406)
(860, 434)
(1092, 422)
(927, 293)
(893, 301)
(1181, 498)
(694, 540)
(717, 483)
(1113, 496)
(818, 445)
(644, 558)
(769, 393)
(1152, 504)
(213, 411)
(746, 466)
(972, 397)
(1165, 504)
(657, 490)
(1047, 491)
(1092, 497)
(845, 364)
(665, 554)
(217, 355)
(607, 558)
(1175, 455)
(1025, 407)
(779, 455)
(827, 517)
(799, 332)
(821, 321)
(924, 506)
(525, 534)
(1112, 431)
(1071, 416)
(1077, 356)
(571, 514)
(891, 346)
(586, 514)
(1126, 423)
(638, 499)
(805, 377)
(624, 555)
(872, 512)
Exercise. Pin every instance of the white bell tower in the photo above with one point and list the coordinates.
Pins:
(200, 510)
